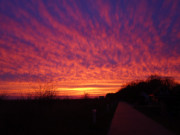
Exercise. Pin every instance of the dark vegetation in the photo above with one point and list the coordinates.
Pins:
(49, 116)
(157, 97)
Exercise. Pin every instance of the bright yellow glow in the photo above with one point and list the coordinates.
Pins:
(82, 89)
(72, 88)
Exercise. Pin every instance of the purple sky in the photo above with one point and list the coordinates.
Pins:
(92, 46)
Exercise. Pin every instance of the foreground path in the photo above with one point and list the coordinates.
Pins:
(128, 121)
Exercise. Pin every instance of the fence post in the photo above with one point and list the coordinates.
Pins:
(94, 116)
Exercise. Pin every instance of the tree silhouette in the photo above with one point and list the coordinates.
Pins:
(164, 89)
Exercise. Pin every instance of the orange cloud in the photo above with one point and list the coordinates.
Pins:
(87, 41)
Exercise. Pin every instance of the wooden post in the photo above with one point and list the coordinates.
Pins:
(94, 116)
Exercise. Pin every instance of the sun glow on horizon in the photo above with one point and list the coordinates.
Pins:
(74, 88)
(86, 46)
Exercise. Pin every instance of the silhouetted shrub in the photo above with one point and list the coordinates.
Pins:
(45, 92)
(161, 88)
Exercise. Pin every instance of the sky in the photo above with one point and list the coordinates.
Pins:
(86, 46)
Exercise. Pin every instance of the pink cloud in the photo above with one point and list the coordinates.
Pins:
(64, 41)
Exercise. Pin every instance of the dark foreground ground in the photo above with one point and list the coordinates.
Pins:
(51, 117)
(170, 119)
(129, 121)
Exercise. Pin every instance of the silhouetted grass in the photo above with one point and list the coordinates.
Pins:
(51, 117)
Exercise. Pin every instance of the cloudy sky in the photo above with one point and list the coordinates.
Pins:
(87, 46)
